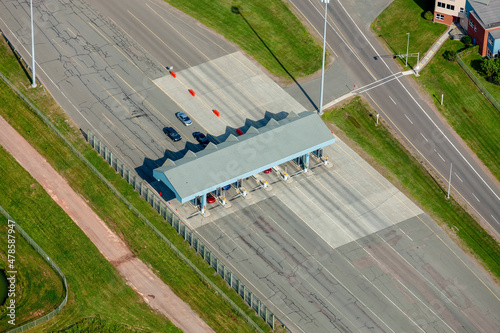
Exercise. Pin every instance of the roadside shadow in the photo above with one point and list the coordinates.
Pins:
(20, 60)
(236, 10)
(145, 171)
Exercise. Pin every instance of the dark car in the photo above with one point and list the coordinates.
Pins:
(184, 118)
(172, 134)
(201, 138)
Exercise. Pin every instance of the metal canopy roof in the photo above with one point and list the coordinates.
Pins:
(240, 157)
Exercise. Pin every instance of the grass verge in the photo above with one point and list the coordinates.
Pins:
(95, 287)
(355, 120)
(265, 29)
(34, 277)
(473, 61)
(143, 242)
(467, 110)
(406, 16)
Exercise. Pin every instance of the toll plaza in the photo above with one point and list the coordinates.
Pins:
(199, 175)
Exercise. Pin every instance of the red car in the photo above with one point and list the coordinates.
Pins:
(210, 198)
(268, 170)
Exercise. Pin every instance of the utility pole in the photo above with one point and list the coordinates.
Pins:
(407, 48)
(449, 182)
(323, 65)
(33, 84)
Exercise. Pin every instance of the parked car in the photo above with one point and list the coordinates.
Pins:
(183, 118)
(172, 134)
(226, 187)
(268, 170)
(201, 138)
(210, 198)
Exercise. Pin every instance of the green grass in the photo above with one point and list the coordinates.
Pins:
(355, 119)
(95, 286)
(143, 242)
(403, 16)
(34, 277)
(465, 108)
(265, 29)
(473, 61)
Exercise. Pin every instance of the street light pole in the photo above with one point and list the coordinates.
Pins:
(407, 47)
(323, 65)
(33, 85)
(449, 182)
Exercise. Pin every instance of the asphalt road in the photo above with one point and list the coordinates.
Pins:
(359, 55)
(99, 72)
(104, 73)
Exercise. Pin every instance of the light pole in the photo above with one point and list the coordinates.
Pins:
(449, 182)
(323, 65)
(407, 47)
(33, 85)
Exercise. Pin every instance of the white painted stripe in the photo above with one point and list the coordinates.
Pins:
(392, 100)
(495, 219)
(439, 155)
(424, 137)
(476, 197)
(458, 177)
(409, 119)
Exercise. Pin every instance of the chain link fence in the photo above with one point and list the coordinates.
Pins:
(159, 205)
(475, 79)
(174, 220)
(151, 196)
(54, 267)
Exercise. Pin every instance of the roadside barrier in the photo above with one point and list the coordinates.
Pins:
(161, 207)
(52, 264)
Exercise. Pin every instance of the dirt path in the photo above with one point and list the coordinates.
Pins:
(154, 291)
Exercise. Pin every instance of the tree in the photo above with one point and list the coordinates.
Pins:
(450, 55)
(491, 68)
(467, 40)
(428, 15)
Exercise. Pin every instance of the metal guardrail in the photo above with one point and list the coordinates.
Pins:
(182, 229)
(44, 255)
(160, 206)
(173, 219)
(476, 80)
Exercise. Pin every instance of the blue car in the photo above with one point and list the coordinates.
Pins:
(183, 118)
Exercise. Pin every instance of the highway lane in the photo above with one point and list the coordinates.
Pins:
(103, 78)
(399, 103)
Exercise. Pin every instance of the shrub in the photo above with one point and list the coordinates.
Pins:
(467, 40)
(428, 15)
(450, 55)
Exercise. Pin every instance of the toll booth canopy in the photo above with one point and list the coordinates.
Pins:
(242, 156)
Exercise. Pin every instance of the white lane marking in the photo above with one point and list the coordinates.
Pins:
(408, 119)
(451, 143)
(378, 85)
(476, 197)
(392, 100)
(495, 219)
(343, 40)
(439, 155)
(424, 137)
(458, 177)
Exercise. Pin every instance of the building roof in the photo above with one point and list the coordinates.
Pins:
(495, 34)
(240, 157)
(488, 12)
